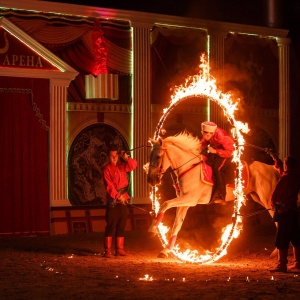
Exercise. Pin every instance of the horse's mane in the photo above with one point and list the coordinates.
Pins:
(185, 140)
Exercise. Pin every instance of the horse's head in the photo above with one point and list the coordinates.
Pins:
(156, 166)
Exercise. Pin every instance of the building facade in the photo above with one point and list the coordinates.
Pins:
(77, 79)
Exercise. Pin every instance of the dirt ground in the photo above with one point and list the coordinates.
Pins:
(71, 267)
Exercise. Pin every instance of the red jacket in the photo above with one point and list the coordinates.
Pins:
(115, 177)
(220, 141)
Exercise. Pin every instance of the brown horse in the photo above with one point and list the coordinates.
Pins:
(182, 154)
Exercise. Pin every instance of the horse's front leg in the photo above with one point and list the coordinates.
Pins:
(155, 222)
(179, 218)
(160, 215)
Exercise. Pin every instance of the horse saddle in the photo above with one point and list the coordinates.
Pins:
(206, 174)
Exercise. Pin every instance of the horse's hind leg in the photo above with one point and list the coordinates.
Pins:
(179, 218)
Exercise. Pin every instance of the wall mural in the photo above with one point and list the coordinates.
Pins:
(87, 157)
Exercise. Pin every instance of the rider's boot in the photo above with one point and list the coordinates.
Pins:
(282, 261)
(219, 190)
(296, 265)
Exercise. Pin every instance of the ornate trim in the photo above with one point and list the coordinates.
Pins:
(34, 105)
(98, 107)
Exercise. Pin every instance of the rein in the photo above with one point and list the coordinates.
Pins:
(139, 147)
(267, 150)
(189, 169)
(251, 214)
(173, 176)
(172, 171)
(175, 169)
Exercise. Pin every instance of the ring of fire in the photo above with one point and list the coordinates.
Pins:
(204, 85)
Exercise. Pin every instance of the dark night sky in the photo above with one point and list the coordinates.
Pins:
(251, 12)
(237, 11)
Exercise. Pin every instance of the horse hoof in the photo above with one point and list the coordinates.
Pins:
(162, 255)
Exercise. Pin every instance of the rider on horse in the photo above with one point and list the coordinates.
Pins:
(218, 147)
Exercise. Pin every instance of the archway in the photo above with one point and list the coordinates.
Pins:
(87, 157)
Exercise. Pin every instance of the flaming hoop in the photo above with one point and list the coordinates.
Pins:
(201, 85)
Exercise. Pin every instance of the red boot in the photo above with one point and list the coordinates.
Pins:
(107, 246)
(282, 261)
(120, 247)
(296, 265)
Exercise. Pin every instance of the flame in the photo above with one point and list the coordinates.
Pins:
(146, 167)
(147, 278)
(203, 84)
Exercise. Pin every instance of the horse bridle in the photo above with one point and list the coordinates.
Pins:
(172, 165)
(158, 167)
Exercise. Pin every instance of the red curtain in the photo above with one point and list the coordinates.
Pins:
(24, 121)
(87, 46)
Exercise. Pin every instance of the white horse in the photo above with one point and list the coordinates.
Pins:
(182, 154)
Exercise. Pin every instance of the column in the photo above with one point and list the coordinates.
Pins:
(284, 96)
(216, 53)
(141, 109)
(58, 172)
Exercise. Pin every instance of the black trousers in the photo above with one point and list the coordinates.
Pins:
(219, 166)
(288, 230)
(116, 219)
(215, 161)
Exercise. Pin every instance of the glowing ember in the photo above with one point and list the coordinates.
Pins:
(201, 85)
(147, 278)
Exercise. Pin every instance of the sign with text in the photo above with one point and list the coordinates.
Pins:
(15, 54)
